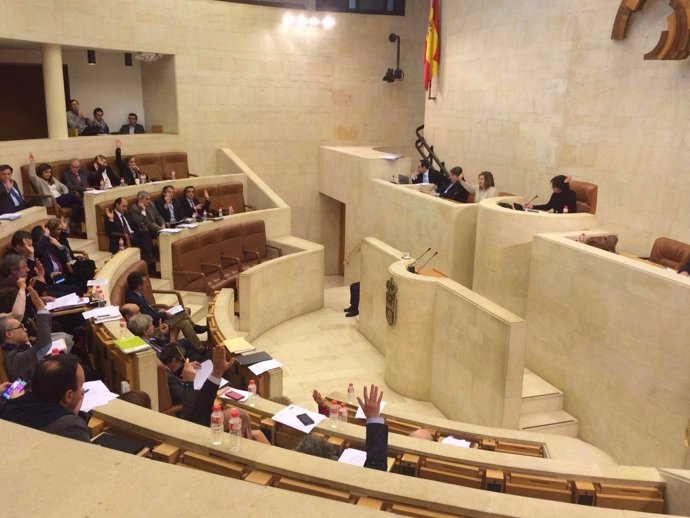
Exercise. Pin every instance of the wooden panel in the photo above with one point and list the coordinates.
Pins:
(450, 477)
(213, 464)
(165, 452)
(535, 486)
(259, 477)
(96, 426)
(371, 503)
(407, 510)
(313, 489)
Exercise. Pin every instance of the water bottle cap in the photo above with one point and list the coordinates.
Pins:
(234, 413)
(350, 385)
(343, 405)
(216, 406)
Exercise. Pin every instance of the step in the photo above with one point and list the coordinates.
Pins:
(538, 395)
(559, 422)
(160, 284)
(87, 245)
(100, 258)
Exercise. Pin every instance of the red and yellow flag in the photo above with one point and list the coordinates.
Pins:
(433, 45)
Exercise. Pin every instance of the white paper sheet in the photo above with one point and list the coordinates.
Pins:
(71, 299)
(107, 311)
(170, 230)
(96, 394)
(456, 442)
(175, 309)
(97, 282)
(261, 367)
(353, 456)
(360, 412)
(202, 374)
(94, 191)
(10, 216)
(288, 417)
(390, 156)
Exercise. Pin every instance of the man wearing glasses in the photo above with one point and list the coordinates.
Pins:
(19, 355)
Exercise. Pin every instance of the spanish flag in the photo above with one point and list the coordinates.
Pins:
(433, 46)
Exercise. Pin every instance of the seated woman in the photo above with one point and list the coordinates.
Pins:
(44, 183)
(563, 199)
(81, 269)
(129, 170)
(485, 188)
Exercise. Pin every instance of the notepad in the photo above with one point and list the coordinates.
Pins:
(131, 344)
(237, 345)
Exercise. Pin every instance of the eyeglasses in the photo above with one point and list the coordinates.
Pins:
(20, 326)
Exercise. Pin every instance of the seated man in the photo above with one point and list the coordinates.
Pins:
(102, 176)
(144, 216)
(75, 118)
(22, 249)
(117, 222)
(424, 174)
(99, 125)
(168, 207)
(180, 321)
(454, 190)
(191, 207)
(11, 200)
(57, 392)
(131, 127)
(19, 355)
(129, 310)
(142, 326)
(75, 179)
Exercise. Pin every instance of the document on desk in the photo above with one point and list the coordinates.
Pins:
(96, 394)
(202, 374)
(175, 309)
(354, 457)
(101, 313)
(97, 282)
(289, 417)
(72, 299)
(360, 412)
(10, 216)
(170, 230)
(261, 367)
(456, 442)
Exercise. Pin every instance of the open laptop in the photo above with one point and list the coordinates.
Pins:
(403, 179)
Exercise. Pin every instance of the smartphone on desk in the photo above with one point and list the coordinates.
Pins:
(305, 419)
(15, 390)
(234, 395)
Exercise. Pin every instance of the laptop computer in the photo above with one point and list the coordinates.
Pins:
(403, 179)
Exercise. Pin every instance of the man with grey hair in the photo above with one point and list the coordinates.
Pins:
(19, 355)
(144, 216)
(75, 179)
(141, 325)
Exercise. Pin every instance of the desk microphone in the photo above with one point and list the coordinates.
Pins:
(535, 197)
(410, 268)
(428, 260)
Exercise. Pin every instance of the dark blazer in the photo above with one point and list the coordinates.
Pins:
(377, 446)
(132, 297)
(116, 226)
(124, 129)
(73, 183)
(435, 177)
(559, 200)
(6, 204)
(188, 211)
(20, 360)
(165, 213)
(94, 177)
(455, 192)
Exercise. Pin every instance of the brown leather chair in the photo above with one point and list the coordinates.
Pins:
(232, 195)
(470, 198)
(175, 162)
(254, 244)
(150, 163)
(670, 253)
(119, 287)
(586, 196)
(29, 192)
(188, 272)
(231, 249)
(165, 405)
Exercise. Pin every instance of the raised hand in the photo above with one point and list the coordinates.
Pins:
(109, 213)
(31, 158)
(371, 406)
(118, 143)
(206, 196)
(188, 371)
(21, 283)
(318, 398)
(220, 361)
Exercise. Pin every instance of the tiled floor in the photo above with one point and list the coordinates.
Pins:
(324, 350)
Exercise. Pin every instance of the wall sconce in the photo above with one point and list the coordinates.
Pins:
(128, 59)
(397, 74)
(91, 57)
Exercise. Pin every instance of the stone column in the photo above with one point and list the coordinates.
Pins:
(54, 86)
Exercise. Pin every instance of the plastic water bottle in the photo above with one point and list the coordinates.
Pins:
(251, 388)
(205, 214)
(220, 211)
(235, 429)
(231, 211)
(351, 393)
(173, 175)
(342, 415)
(334, 413)
(216, 425)
(565, 209)
(122, 181)
(142, 177)
(100, 298)
(121, 244)
(123, 326)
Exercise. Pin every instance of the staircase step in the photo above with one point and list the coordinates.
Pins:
(100, 258)
(87, 245)
(538, 395)
(160, 284)
(559, 422)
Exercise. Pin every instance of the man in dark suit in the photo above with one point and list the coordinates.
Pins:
(168, 207)
(11, 200)
(191, 207)
(377, 430)
(102, 174)
(454, 190)
(132, 127)
(116, 221)
(424, 174)
(75, 179)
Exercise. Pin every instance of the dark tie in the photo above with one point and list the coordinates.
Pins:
(17, 197)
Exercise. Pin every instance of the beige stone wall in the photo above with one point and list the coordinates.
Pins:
(532, 88)
(271, 94)
(612, 334)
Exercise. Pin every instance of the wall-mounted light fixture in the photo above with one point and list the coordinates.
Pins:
(128, 59)
(301, 20)
(397, 74)
(91, 57)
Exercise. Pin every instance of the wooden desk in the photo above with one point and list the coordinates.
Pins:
(640, 259)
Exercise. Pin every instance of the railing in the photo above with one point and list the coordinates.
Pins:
(427, 152)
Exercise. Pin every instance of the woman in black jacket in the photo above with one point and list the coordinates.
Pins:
(561, 198)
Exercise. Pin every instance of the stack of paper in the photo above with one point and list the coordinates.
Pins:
(100, 315)
(237, 345)
(69, 300)
(11, 216)
(288, 416)
(96, 394)
(261, 367)
(169, 230)
(188, 225)
(456, 442)
(131, 344)
(97, 282)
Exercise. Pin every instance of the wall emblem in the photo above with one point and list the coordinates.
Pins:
(391, 301)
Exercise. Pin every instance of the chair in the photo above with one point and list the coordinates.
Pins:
(231, 249)
(232, 195)
(119, 287)
(175, 162)
(150, 164)
(187, 269)
(165, 405)
(586, 196)
(254, 242)
(670, 253)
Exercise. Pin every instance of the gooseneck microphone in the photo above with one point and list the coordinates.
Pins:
(427, 261)
(535, 197)
(410, 268)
